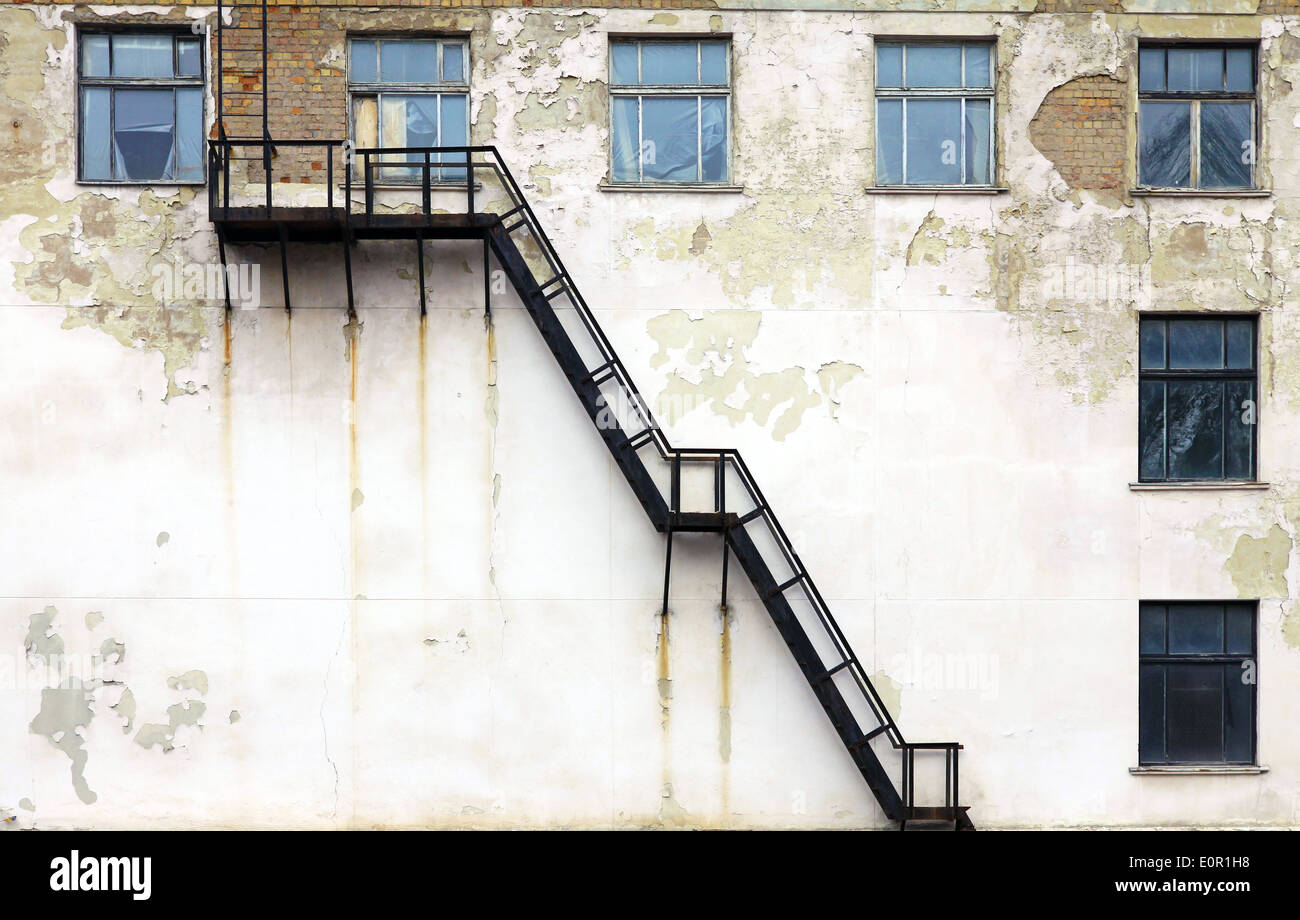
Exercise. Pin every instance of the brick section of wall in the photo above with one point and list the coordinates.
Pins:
(1080, 128)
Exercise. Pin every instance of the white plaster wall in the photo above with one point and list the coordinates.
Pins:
(405, 560)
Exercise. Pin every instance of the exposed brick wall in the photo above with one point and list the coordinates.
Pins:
(1080, 128)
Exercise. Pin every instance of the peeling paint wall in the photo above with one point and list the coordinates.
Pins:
(340, 574)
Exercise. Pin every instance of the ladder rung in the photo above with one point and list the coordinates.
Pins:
(592, 377)
(826, 675)
(878, 730)
(511, 213)
(749, 516)
(515, 226)
(644, 437)
(541, 289)
(783, 587)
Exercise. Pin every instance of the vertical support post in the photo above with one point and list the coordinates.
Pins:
(469, 182)
(419, 258)
(956, 773)
(668, 568)
(347, 266)
(266, 164)
(329, 176)
(424, 187)
(284, 264)
(370, 185)
(487, 279)
(266, 133)
(225, 271)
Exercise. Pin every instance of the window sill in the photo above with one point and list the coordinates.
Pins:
(1199, 486)
(935, 190)
(1200, 193)
(682, 187)
(1207, 769)
(359, 186)
(145, 184)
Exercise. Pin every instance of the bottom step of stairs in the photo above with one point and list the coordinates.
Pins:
(936, 818)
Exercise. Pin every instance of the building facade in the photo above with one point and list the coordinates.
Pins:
(997, 300)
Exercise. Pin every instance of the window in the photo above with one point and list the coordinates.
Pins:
(1197, 679)
(1196, 119)
(934, 113)
(1197, 409)
(669, 111)
(140, 112)
(410, 93)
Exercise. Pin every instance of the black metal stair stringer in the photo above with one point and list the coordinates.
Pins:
(751, 560)
(805, 655)
(571, 363)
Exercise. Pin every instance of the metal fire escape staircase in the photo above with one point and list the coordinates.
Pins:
(681, 489)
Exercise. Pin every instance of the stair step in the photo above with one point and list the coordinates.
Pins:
(875, 732)
(784, 586)
(827, 675)
(702, 521)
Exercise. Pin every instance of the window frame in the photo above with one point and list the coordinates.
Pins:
(198, 81)
(962, 93)
(698, 90)
(1166, 659)
(1167, 374)
(437, 90)
(1195, 98)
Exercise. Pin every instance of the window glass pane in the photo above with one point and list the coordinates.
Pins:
(1195, 429)
(365, 67)
(977, 141)
(1241, 343)
(1151, 629)
(1151, 713)
(143, 129)
(95, 122)
(889, 141)
(1241, 70)
(1195, 629)
(625, 142)
(668, 63)
(1165, 144)
(1194, 708)
(187, 57)
(624, 55)
(1226, 150)
(1238, 448)
(453, 132)
(1239, 716)
(1240, 629)
(669, 138)
(1196, 343)
(889, 65)
(94, 55)
(407, 121)
(408, 62)
(1151, 69)
(934, 65)
(1182, 69)
(142, 55)
(453, 62)
(977, 65)
(1208, 68)
(1151, 429)
(933, 141)
(189, 134)
(1153, 344)
(713, 138)
(713, 63)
